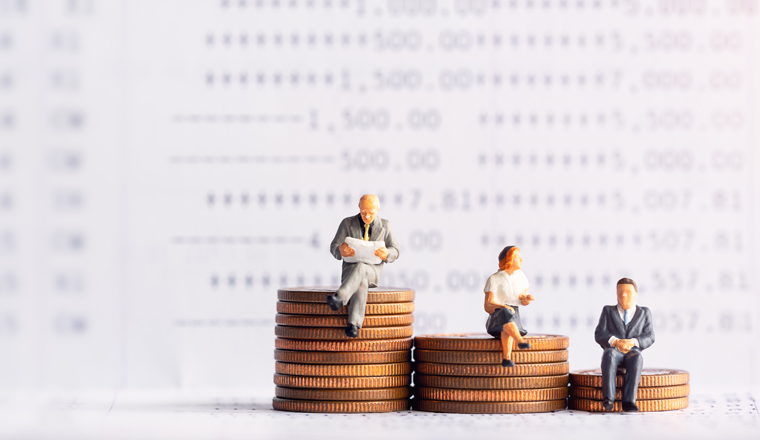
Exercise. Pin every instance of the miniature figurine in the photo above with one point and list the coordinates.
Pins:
(623, 332)
(359, 275)
(505, 290)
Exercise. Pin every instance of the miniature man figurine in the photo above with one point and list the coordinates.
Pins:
(356, 278)
(504, 291)
(623, 332)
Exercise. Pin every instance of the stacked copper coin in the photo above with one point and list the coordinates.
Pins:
(659, 390)
(320, 369)
(462, 373)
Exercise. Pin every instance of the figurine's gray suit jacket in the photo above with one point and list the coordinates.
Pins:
(610, 324)
(354, 227)
(639, 327)
(356, 278)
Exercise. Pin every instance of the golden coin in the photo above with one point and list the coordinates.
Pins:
(488, 407)
(369, 394)
(490, 395)
(342, 321)
(644, 405)
(486, 342)
(650, 377)
(294, 308)
(340, 407)
(488, 370)
(319, 294)
(343, 370)
(321, 357)
(338, 334)
(490, 383)
(348, 345)
(340, 383)
(489, 357)
(642, 394)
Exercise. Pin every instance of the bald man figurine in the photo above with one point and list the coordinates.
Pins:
(356, 278)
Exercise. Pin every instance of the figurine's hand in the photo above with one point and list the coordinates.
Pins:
(623, 345)
(382, 253)
(346, 250)
(526, 299)
(616, 343)
(628, 344)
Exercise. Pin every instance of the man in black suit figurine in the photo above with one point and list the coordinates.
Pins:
(624, 330)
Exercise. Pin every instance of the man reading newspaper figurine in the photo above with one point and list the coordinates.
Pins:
(359, 274)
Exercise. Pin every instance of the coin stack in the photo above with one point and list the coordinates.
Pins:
(462, 373)
(659, 390)
(320, 369)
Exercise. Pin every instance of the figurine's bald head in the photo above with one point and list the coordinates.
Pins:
(369, 205)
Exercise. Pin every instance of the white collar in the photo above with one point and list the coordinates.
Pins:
(622, 312)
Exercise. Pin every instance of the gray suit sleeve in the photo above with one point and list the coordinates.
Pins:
(340, 237)
(390, 243)
(602, 334)
(646, 337)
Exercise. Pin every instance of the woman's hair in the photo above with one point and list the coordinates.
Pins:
(505, 257)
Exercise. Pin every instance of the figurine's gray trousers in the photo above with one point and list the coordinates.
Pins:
(632, 361)
(354, 290)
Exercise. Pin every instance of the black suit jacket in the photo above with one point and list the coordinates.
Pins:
(610, 324)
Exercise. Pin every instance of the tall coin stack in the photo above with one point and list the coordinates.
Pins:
(320, 369)
(462, 373)
(659, 390)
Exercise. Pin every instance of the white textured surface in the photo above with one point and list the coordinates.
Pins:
(189, 416)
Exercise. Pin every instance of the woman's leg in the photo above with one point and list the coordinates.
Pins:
(511, 329)
(506, 345)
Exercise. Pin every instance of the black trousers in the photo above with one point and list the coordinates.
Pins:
(633, 363)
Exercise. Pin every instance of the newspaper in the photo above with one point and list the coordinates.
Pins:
(365, 251)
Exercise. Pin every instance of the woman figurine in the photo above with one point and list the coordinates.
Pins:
(504, 291)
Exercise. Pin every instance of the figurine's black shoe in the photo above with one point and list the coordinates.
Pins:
(630, 407)
(334, 301)
(523, 332)
(523, 345)
(507, 363)
(352, 330)
(607, 405)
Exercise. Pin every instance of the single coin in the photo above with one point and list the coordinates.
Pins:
(369, 394)
(341, 383)
(642, 394)
(343, 370)
(295, 308)
(486, 342)
(488, 370)
(650, 377)
(490, 383)
(489, 357)
(342, 321)
(644, 405)
(319, 294)
(340, 334)
(322, 357)
(488, 407)
(490, 395)
(347, 345)
(340, 407)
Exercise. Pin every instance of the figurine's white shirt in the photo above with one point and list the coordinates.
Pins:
(507, 288)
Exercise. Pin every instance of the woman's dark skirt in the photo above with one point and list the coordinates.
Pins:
(496, 321)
